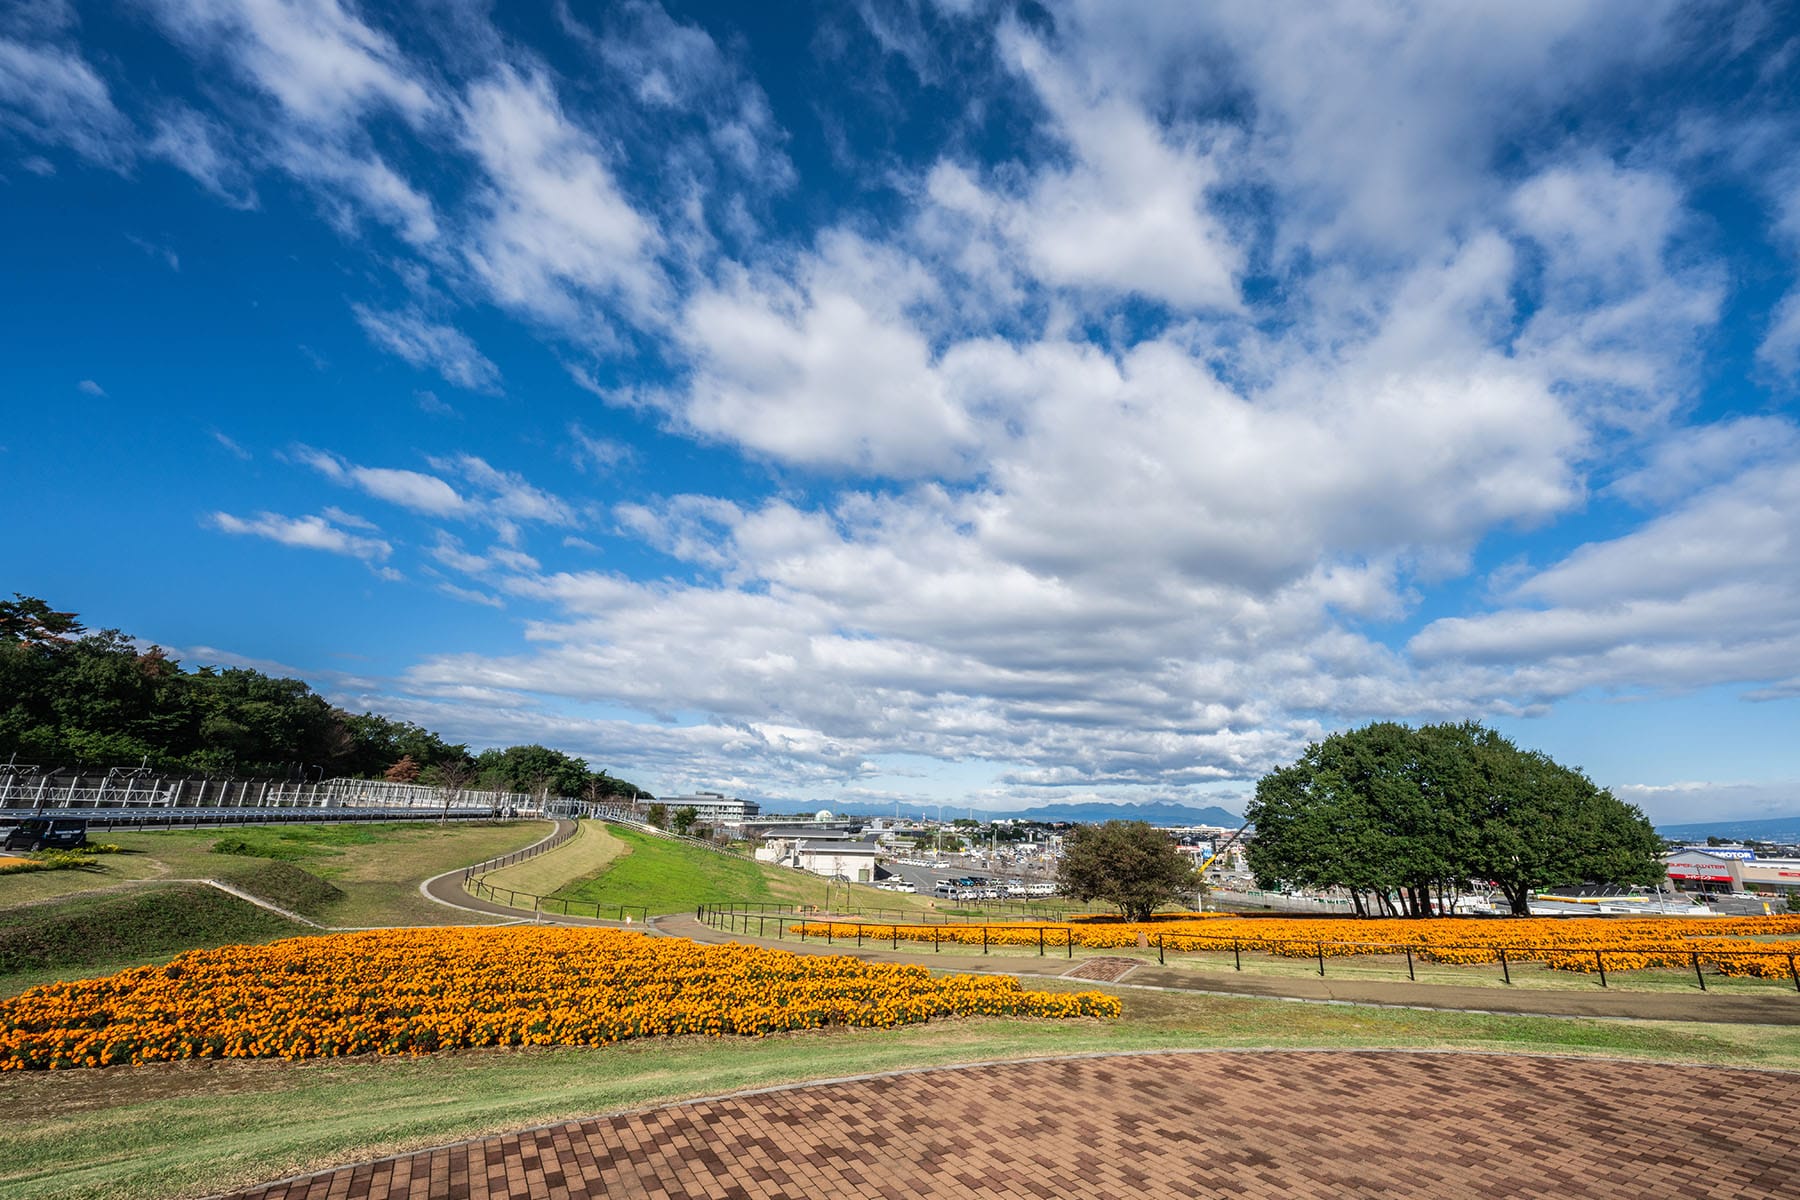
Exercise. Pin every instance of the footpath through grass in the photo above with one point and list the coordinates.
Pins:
(185, 1130)
(120, 914)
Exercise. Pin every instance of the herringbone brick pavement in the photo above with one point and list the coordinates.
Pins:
(1243, 1124)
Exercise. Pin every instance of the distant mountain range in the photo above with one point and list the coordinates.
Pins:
(1157, 813)
(1776, 829)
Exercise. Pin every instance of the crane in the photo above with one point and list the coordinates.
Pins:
(1223, 847)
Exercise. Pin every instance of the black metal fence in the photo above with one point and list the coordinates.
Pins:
(753, 920)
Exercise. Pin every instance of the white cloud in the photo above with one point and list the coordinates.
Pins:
(1130, 215)
(1700, 596)
(196, 144)
(825, 370)
(52, 95)
(470, 596)
(237, 451)
(414, 490)
(323, 65)
(306, 533)
(427, 344)
(558, 239)
(90, 388)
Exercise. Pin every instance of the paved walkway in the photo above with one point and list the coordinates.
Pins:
(1251, 1125)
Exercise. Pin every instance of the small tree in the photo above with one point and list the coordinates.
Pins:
(658, 815)
(1125, 863)
(684, 819)
(404, 771)
(452, 777)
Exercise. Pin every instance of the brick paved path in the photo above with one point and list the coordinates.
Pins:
(1252, 1125)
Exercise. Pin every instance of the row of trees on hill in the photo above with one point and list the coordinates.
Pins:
(1402, 816)
(79, 698)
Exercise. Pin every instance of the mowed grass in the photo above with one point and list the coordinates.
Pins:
(375, 869)
(667, 876)
(580, 858)
(184, 1130)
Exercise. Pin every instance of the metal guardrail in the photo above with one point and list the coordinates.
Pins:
(476, 884)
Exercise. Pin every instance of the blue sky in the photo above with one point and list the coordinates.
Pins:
(931, 401)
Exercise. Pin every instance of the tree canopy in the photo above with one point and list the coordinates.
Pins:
(71, 697)
(1396, 815)
(1129, 864)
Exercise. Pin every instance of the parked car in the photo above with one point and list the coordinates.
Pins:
(39, 833)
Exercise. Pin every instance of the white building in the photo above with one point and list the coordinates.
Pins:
(831, 858)
(712, 807)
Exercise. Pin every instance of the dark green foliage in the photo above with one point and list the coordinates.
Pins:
(141, 924)
(683, 820)
(1125, 863)
(1398, 815)
(80, 699)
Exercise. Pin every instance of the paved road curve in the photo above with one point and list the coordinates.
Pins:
(1252, 1125)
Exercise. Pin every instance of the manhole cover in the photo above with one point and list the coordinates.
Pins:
(1105, 970)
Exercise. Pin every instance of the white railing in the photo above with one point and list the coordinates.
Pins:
(133, 790)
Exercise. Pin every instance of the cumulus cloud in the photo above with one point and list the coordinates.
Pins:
(1183, 383)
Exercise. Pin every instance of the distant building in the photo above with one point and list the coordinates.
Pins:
(831, 857)
(715, 807)
(1730, 869)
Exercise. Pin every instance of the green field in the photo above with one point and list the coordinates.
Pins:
(667, 876)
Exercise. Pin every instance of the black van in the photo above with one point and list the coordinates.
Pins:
(38, 833)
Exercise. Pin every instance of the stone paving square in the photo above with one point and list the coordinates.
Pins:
(1254, 1125)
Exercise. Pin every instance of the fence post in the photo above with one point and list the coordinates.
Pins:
(859, 935)
(1794, 973)
(1040, 941)
(1237, 955)
(1409, 965)
(1504, 969)
(1697, 974)
(1069, 937)
(1159, 949)
(934, 941)
(1320, 947)
(1601, 964)
(984, 938)
(896, 929)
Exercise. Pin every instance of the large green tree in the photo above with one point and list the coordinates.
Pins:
(1401, 817)
(1129, 864)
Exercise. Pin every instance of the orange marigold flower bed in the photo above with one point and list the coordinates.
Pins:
(1563, 943)
(419, 990)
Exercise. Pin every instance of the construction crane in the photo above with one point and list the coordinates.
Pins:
(1223, 847)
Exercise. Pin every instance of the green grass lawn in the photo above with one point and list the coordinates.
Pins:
(671, 877)
(182, 1130)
